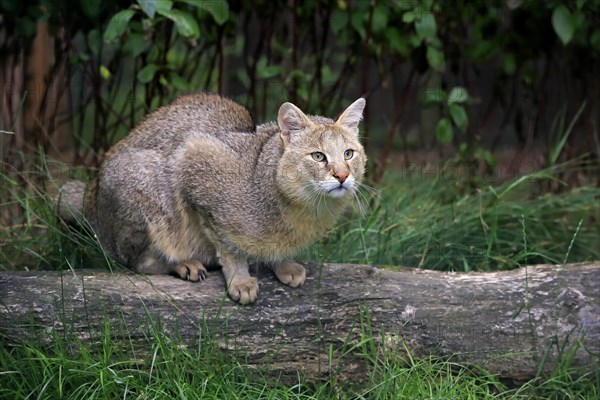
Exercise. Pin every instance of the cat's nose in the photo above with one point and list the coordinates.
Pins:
(341, 176)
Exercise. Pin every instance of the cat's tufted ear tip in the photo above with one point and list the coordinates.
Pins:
(351, 117)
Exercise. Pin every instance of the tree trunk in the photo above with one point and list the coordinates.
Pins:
(506, 322)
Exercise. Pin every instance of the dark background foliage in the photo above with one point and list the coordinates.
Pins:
(477, 75)
(499, 87)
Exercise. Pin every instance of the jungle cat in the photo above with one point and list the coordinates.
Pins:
(197, 183)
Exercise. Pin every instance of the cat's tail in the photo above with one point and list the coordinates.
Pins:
(69, 202)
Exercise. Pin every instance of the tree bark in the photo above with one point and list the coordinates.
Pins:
(506, 322)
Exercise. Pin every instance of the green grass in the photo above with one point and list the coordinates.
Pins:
(437, 224)
(416, 222)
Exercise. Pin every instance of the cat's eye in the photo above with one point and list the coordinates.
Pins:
(348, 154)
(318, 156)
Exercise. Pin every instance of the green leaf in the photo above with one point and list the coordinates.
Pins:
(339, 20)
(154, 55)
(147, 73)
(219, 9)
(118, 25)
(380, 18)
(426, 27)
(298, 77)
(435, 59)
(443, 131)
(179, 83)
(485, 155)
(563, 24)
(358, 23)
(135, 44)
(176, 55)
(242, 76)
(264, 71)
(104, 72)
(414, 40)
(397, 41)
(459, 116)
(84, 57)
(408, 17)
(184, 22)
(433, 96)
(482, 50)
(327, 75)
(458, 94)
(150, 6)
(95, 41)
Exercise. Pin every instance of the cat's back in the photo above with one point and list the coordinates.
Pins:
(212, 113)
(187, 117)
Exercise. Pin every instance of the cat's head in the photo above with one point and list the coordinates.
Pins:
(322, 158)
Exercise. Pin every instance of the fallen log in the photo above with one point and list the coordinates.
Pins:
(503, 321)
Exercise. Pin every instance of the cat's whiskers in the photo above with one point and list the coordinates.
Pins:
(314, 195)
(317, 196)
(359, 201)
(321, 195)
(362, 200)
(369, 189)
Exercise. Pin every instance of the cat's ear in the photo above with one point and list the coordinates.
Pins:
(290, 118)
(352, 116)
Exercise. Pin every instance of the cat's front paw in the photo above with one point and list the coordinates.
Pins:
(290, 273)
(244, 290)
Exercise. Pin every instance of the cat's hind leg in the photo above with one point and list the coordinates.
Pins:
(192, 270)
(290, 273)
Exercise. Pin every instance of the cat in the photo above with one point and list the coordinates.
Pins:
(197, 183)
